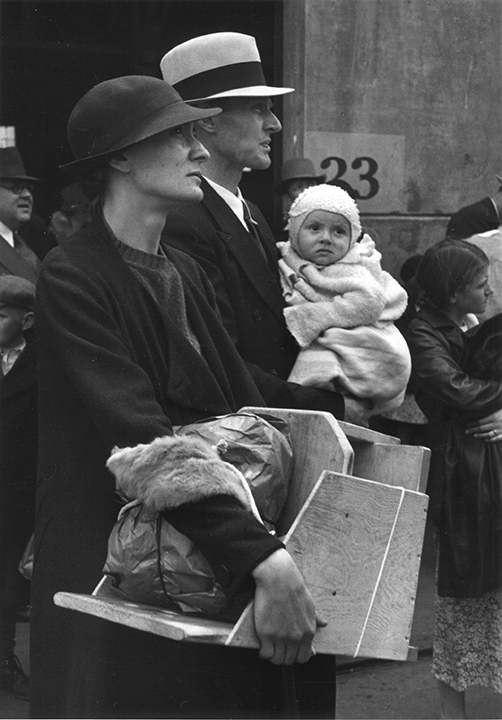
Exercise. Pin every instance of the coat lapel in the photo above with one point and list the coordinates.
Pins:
(239, 243)
(11, 263)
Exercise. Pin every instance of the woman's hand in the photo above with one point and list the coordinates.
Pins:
(284, 612)
(488, 429)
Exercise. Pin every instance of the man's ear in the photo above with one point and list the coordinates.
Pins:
(28, 320)
(208, 125)
(120, 162)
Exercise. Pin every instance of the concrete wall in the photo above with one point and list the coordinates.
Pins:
(400, 100)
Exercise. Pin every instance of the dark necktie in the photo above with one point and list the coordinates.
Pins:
(251, 226)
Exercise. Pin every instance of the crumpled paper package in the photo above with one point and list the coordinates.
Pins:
(151, 562)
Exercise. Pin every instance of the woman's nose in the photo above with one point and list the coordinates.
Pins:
(488, 290)
(198, 151)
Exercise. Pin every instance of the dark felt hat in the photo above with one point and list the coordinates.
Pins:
(12, 166)
(298, 169)
(16, 291)
(121, 112)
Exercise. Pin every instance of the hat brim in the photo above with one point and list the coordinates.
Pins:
(281, 187)
(20, 177)
(178, 114)
(250, 91)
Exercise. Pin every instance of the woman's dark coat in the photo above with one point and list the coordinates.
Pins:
(114, 369)
(465, 479)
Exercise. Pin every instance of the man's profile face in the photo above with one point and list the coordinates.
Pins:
(244, 133)
(16, 203)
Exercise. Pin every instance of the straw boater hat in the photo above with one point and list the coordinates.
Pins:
(298, 169)
(224, 64)
(119, 113)
(12, 167)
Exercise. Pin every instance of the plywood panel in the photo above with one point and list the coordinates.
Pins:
(319, 444)
(358, 545)
(401, 465)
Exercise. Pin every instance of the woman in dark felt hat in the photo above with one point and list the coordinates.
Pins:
(130, 344)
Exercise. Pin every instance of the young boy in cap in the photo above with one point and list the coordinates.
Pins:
(227, 235)
(18, 460)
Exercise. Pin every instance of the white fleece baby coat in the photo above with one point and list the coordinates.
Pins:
(342, 317)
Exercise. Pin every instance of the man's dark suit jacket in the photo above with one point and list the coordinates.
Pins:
(246, 282)
(35, 235)
(472, 219)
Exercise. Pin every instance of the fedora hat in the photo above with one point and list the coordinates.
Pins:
(298, 169)
(12, 167)
(223, 64)
(121, 112)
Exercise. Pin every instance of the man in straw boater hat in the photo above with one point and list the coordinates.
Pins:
(227, 235)
(238, 252)
(130, 344)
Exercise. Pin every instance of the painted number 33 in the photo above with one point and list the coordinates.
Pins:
(369, 167)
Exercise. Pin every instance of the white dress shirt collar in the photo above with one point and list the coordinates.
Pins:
(7, 234)
(233, 201)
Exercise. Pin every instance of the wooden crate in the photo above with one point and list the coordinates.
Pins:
(356, 541)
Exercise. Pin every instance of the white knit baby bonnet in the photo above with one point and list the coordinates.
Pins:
(323, 197)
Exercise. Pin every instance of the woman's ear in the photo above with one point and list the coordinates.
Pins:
(120, 162)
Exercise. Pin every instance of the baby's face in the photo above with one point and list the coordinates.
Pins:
(324, 237)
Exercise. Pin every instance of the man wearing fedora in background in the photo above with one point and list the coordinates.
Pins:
(479, 217)
(227, 235)
(238, 252)
(297, 175)
(18, 255)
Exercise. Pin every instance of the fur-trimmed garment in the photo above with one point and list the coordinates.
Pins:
(342, 317)
(171, 471)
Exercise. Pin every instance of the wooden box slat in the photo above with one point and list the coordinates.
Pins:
(401, 465)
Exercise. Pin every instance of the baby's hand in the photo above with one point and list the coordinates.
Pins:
(357, 411)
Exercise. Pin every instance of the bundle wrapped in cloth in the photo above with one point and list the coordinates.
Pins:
(148, 559)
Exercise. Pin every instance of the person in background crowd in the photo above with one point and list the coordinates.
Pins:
(476, 218)
(296, 176)
(228, 236)
(130, 343)
(74, 210)
(458, 387)
(407, 422)
(18, 256)
(18, 464)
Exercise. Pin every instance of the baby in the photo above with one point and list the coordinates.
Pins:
(341, 304)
